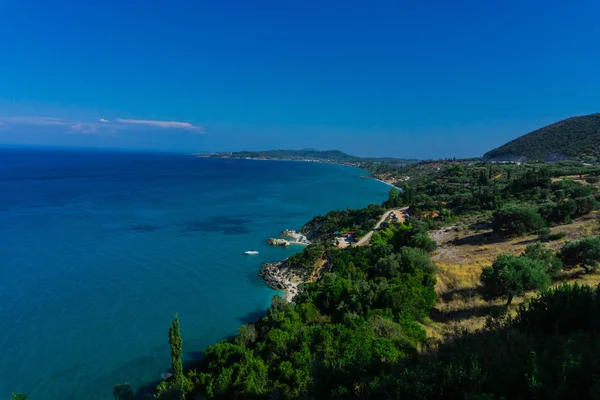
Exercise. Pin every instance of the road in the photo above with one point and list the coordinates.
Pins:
(365, 239)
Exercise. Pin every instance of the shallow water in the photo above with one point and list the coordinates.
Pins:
(100, 249)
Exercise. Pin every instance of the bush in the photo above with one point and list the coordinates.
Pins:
(540, 252)
(544, 233)
(511, 276)
(583, 253)
(557, 236)
(558, 212)
(513, 220)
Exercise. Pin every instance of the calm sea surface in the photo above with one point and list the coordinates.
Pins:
(99, 250)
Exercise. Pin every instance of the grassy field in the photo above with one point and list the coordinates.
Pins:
(468, 246)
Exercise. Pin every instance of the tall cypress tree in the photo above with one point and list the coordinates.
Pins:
(176, 345)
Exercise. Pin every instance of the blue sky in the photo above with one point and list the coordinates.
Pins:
(422, 79)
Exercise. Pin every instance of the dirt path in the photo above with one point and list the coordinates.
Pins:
(367, 238)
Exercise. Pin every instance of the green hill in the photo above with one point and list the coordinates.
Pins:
(573, 138)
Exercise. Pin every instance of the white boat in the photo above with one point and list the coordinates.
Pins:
(251, 252)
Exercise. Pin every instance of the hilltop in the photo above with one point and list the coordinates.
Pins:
(572, 138)
(331, 156)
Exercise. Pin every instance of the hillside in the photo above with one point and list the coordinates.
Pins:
(572, 138)
(332, 156)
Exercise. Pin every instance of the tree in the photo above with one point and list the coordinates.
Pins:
(583, 253)
(511, 276)
(18, 396)
(513, 220)
(393, 198)
(176, 343)
(540, 252)
(123, 392)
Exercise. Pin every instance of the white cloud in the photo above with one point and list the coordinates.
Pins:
(100, 126)
(84, 129)
(161, 124)
(32, 121)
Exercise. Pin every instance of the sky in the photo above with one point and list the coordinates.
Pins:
(413, 79)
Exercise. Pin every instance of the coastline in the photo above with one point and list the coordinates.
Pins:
(279, 277)
(348, 164)
(387, 183)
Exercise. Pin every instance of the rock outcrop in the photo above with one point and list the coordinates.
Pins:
(273, 276)
(278, 242)
(278, 276)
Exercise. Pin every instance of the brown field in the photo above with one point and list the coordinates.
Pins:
(464, 251)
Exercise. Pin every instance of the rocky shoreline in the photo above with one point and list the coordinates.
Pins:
(297, 238)
(280, 277)
(278, 242)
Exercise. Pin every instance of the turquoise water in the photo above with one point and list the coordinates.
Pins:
(100, 249)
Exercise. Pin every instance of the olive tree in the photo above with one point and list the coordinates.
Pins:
(511, 276)
(513, 221)
(584, 253)
(540, 252)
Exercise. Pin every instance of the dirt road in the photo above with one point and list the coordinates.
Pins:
(365, 239)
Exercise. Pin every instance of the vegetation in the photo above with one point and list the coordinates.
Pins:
(18, 396)
(304, 261)
(511, 276)
(515, 221)
(541, 253)
(175, 343)
(549, 350)
(123, 392)
(573, 138)
(356, 324)
(584, 253)
(357, 220)
(358, 331)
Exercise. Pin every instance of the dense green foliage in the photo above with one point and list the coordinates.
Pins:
(413, 234)
(575, 138)
(511, 276)
(176, 345)
(518, 194)
(583, 253)
(513, 220)
(550, 350)
(358, 220)
(356, 332)
(540, 252)
(353, 326)
(304, 261)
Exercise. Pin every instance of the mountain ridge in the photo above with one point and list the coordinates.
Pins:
(572, 138)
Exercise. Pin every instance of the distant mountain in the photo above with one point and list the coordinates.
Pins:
(573, 138)
(304, 154)
(331, 156)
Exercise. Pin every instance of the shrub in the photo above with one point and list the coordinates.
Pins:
(513, 220)
(511, 276)
(540, 252)
(584, 253)
(557, 236)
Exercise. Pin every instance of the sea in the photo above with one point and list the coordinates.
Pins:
(100, 249)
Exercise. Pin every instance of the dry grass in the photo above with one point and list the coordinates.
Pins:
(462, 255)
